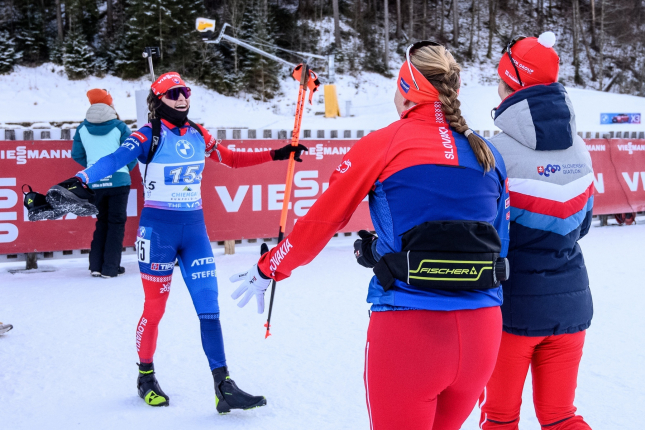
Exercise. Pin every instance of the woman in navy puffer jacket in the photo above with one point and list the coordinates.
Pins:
(547, 302)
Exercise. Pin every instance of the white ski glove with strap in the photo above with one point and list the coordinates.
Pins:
(254, 284)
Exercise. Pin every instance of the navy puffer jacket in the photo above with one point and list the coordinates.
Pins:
(551, 197)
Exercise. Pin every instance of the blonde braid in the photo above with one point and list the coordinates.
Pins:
(442, 71)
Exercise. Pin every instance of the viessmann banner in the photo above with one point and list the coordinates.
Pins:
(238, 203)
(619, 171)
(246, 203)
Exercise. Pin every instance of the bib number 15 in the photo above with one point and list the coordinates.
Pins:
(182, 175)
(143, 250)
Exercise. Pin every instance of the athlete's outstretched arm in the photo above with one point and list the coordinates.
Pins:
(237, 159)
(353, 179)
(137, 144)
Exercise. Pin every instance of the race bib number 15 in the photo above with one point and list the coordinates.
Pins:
(143, 244)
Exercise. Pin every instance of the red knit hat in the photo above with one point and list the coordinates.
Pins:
(166, 82)
(535, 59)
(99, 96)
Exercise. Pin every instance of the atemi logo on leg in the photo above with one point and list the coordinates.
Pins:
(202, 261)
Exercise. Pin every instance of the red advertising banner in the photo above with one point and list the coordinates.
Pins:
(238, 203)
(628, 158)
(246, 203)
(42, 164)
(619, 170)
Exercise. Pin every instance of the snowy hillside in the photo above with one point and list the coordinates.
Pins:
(45, 94)
(70, 360)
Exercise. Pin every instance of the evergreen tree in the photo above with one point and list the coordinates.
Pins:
(373, 59)
(141, 29)
(261, 75)
(182, 42)
(30, 36)
(78, 58)
(217, 71)
(108, 40)
(8, 55)
(56, 52)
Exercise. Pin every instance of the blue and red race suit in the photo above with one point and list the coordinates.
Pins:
(417, 169)
(172, 226)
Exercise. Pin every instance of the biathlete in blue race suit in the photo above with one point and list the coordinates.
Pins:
(172, 227)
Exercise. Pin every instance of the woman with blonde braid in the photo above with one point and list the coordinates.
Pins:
(439, 203)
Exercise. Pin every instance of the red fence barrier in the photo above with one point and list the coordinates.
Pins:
(246, 203)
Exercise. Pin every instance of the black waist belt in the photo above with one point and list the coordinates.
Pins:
(446, 255)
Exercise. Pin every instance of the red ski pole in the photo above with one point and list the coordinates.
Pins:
(295, 140)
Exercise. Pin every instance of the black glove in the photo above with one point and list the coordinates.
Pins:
(284, 152)
(363, 249)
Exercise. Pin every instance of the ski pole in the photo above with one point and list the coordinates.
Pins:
(295, 140)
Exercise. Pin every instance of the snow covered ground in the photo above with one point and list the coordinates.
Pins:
(70, 360)
(45, 94)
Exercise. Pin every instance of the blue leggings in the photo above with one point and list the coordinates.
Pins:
(164, 236)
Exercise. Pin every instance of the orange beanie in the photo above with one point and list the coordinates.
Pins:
(99, 96)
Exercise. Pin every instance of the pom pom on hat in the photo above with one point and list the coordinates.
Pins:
(547, 39)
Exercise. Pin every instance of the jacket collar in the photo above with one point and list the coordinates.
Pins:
(172, 127)
(540, 117)
(424, 111)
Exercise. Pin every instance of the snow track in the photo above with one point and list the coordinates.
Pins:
(70, 360)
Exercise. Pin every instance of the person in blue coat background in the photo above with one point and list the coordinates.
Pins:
(100, 134)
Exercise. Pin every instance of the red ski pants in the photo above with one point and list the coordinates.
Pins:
(424, 370)
(554, 364)
(157, 289)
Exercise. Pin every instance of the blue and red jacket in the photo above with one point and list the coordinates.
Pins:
(417, 169)
(551, 183)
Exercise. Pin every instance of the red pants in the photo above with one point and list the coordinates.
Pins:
(425, 369)
(157, 289)
(554, 364)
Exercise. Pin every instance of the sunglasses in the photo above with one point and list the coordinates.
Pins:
(174, 93)
(507, 51)
(416, 46)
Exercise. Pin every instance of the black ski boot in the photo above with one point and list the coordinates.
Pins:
(149, 389)
(72, 196)
(38, 206)
(228, 396)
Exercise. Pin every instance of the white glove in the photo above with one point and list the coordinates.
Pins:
(253, 284)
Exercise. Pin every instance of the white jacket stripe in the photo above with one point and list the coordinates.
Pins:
(545, 190)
